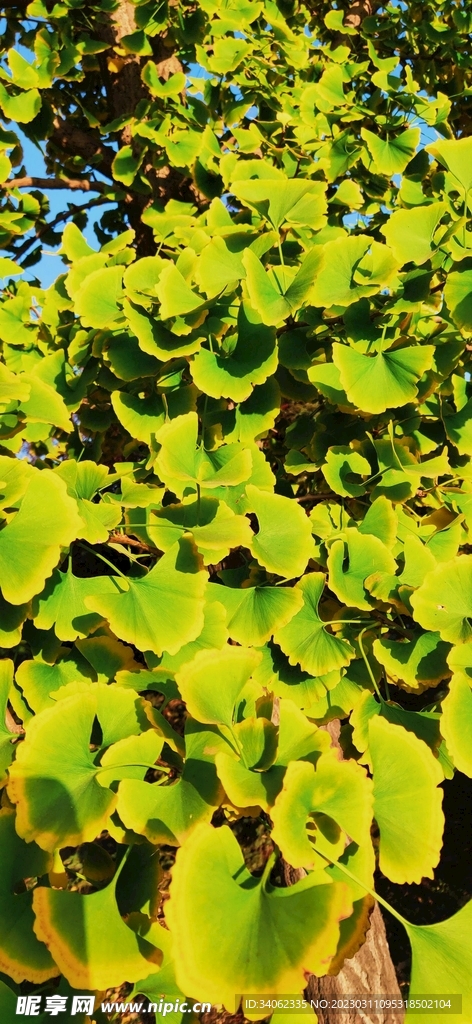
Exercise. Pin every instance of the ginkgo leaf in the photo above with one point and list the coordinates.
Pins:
(255, 613)
(456, 722)
(40, 681)
(44, 404)
(179, 462)
(213, 636)
(455, 154)
(170, 813)
(62, 604)
(283, 543)
(96, 301)
(458, 295)
(440, 960)
(274, 199)
(351, 561)
(337, 790)
(250, 362)
(414, 664)
(277, 294)
(200, 683)
(344, 469)
(214, 527)
(410, 232)
(162, 610)
(392, 155)
(22, 956)
(352, 267)
(63, 804)
(31, 543)
(305, 640)
(384, 381)
(90, 942)
(443, 603)
(175, 295)
(206, 960)
(298, 739)
(83, 481)
(407, 802)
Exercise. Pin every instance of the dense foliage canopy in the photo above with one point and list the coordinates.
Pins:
(236, 486)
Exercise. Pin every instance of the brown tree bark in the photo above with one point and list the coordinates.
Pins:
(369, 972)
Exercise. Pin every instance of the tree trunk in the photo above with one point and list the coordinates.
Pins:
(370, 972)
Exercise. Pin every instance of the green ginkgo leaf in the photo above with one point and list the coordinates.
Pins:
(272, 198)
(170, 813)
(22, 956)
(414, 664)
(39, 681)
(200, 683)
(180, 463)
(297, 739)
(96, 301)
(255, 613)
(214, 636)
(280, 293)
(210, 873)
(15, 476)
(44, 404)
(458, 295)
(337, 790)
(351, 561)
(284, 542)
(90, 942)
(12, 617)
(174, 294)
(31, 543)
(352, 267)
(455, 155)
(407, 802)
(441, 957)
(443, 603)
(62, 604)
(456, 722)
(344, 469)
(380, 520)
(251, 361)
(83, 481)
(384, 381)
(410, 232)
(391, 156)
(63, 804)
(305, 639)
(162, 610)
(214, 527)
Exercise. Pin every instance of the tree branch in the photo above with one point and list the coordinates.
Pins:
(70, 183)
(50, 225)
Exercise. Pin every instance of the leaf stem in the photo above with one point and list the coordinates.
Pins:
(103, 559)
(368, 665)
(342, 867)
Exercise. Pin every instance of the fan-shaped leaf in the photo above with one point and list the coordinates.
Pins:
(283, 543)
(206, 960)
(161, 611)
(305, 639)
(407, 803)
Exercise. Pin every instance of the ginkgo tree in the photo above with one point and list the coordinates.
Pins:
(235, 489)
